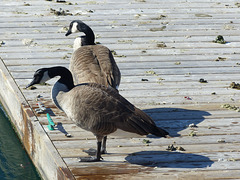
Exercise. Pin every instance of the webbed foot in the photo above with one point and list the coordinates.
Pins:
(103, 151)
(90, 159)
(92, 152)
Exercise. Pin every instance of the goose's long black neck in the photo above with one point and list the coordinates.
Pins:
(90, 38)
(84, 41)
(65, 76)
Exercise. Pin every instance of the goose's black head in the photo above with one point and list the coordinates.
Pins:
(44, 74)
(79, 26)
(40, 76)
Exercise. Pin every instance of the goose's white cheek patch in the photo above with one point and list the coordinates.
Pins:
(45, 77)
(74, 28)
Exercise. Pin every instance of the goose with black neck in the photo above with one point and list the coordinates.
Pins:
(96, 108)
(92, 62)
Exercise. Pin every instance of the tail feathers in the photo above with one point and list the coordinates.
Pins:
(140, 123)
(149, 125)
(159, 132)
(142, 127)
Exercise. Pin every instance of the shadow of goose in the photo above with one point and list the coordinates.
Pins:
(166, 159)
(175, 120)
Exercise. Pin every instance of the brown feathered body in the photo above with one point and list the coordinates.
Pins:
(96, 108)
(103, 110)
(94, 63)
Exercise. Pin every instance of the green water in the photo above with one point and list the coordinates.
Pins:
(14, 161)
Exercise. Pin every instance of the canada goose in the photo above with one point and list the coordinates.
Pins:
(96, 108)
(92, 62)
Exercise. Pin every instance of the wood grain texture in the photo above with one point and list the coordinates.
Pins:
(162, 49)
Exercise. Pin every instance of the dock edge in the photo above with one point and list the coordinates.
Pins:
(34, 138)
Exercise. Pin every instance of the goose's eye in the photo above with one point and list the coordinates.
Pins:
(37, 77)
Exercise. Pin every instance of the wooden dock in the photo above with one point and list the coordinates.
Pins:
(163, 49)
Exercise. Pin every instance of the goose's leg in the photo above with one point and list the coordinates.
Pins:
(104, 144)
(98, 153)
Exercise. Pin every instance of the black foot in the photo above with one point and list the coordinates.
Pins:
(103, 152)
(92, 152)
(90, 159)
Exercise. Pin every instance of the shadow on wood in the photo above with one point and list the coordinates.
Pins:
(61, 128)
(50, 112)
(175, 120)
(166, 159)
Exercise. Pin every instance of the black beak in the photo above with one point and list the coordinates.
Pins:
(32, 83)
(69, 32)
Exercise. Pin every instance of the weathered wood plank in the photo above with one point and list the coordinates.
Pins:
(191, 174)
(161, 167)
(134, 29)
(196, 148)
(211, 129)
(142, 72)
(90, 143)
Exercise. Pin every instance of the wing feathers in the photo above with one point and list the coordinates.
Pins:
(95, 63)
(104, 108)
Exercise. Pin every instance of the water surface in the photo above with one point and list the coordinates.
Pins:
(15, 164)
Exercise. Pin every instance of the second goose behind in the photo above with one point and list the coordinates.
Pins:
(92, 62)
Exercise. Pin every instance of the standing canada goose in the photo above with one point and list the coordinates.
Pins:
(92, 62)
(96, 108)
